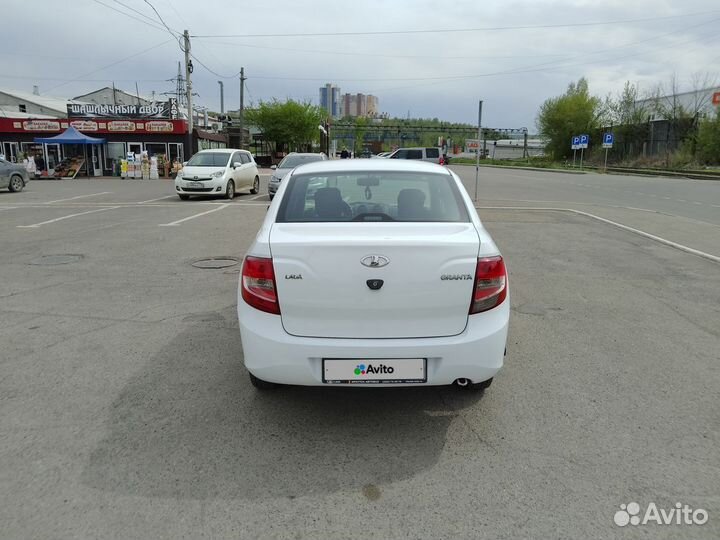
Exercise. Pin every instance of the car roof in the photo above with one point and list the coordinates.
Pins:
(305, 154)
(415, 148)
(221, 150)
(369, 165)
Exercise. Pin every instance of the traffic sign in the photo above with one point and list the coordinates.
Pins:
(584, 141)
(575, 143)
(608, 140)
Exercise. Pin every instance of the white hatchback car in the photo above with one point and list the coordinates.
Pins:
(373, 272)
(220, 171)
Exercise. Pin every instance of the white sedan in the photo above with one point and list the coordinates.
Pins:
(373, 273)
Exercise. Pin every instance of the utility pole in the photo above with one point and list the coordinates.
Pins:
(242, 106)
(222, 97)
(188, 90)
(477, 161)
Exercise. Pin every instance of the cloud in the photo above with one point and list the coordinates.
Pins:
(512, 70)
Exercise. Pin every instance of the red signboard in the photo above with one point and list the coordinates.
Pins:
(716, 98)
(97, 126)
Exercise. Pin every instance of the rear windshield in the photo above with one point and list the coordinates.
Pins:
(377, 196)
(290, 162)
(209, 159)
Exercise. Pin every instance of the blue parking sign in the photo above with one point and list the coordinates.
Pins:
(584, 141)
(575, 143)
(608, 139)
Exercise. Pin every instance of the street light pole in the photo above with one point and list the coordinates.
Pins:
(477, 160)
(222, 97)
(188, 72)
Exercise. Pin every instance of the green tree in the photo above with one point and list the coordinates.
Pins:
(572, 113)
(708, 141)
(289, 122)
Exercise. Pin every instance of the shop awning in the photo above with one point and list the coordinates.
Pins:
(70, 136)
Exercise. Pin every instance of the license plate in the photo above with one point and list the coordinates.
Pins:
(195, 184)
(374, 371)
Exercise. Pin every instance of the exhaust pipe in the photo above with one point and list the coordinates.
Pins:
(462, 382)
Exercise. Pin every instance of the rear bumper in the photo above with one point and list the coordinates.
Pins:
(273, 355)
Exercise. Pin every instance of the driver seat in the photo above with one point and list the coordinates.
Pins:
(330, 205)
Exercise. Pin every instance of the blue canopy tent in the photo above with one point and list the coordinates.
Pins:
(72, 136)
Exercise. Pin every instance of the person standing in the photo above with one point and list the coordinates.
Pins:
(39, 164)
(29, 163)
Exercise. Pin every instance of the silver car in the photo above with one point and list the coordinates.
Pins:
(292, 160)
(13, 176)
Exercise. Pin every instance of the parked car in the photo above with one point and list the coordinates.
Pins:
(430, 154)
(13, 176)
(382, 154)
(288, 163)
(373, 272)
(218, 171)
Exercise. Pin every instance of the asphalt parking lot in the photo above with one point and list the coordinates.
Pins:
(127, 413)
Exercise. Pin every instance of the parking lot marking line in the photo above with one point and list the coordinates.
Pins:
(80, 197)
(158, 199)
(179, 221)
(36, 225)
(698, 203)
(656, 238)
(256, 197)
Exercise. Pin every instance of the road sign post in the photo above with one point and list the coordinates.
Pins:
(584, 142)
(574, 144)
(608, 139)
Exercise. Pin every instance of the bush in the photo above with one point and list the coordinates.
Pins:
(708, 141)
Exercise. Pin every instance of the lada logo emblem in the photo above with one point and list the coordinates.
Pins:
(375, 261)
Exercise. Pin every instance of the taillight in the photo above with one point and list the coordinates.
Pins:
(490, 284)
(258, 284)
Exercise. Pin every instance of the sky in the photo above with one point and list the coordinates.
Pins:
(420, 58)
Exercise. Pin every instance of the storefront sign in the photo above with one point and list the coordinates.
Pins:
(159, 109)
(158, 127)
(41, 125)
(84, 125)
(16, 125)
(121, 126)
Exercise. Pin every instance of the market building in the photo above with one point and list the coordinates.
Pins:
(158, 128)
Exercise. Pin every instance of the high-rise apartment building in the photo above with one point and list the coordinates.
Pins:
(330, 100)
(355, 105)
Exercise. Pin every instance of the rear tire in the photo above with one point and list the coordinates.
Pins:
(256, 185)
(184, 197)
(260, 384)
(271, 196)
(16, 184)
(230, 190)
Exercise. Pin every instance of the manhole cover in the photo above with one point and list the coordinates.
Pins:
(216, 262)
(51, 260)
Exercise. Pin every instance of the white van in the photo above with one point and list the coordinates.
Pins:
(430, 154)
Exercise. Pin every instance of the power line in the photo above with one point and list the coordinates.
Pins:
(527, 69)
(563, 57)
(534, 69)
(456, 30)
(173, 33)
(110, 65)
(144, 21)
(34, 78)
(214, 72)
(379, 55)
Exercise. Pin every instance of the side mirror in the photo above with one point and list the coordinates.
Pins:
(184, 163)
(237, 164)
(273, 167)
